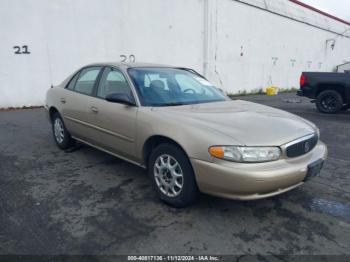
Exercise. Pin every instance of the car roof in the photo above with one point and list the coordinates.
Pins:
(128, 65)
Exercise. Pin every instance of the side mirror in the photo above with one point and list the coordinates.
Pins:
(120, 98)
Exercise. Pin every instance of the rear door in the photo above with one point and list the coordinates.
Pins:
(76, 100)
(114, 123)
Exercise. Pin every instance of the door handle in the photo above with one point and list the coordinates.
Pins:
(63, 100)
(94, 109)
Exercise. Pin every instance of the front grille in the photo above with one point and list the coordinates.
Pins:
(301, 146)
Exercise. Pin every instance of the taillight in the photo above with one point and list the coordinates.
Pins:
(302, 80)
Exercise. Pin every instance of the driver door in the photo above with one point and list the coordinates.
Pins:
(114, 124)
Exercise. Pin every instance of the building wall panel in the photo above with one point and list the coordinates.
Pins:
(246, 45)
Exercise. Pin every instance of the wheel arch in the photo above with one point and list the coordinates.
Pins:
(334, 87)
(155, 140)
(52, 111)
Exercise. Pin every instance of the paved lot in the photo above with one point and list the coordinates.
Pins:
(87, 202)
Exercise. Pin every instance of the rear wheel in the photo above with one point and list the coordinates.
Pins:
(329, 102)
(346, 107)
(61, 135)
(172, 176)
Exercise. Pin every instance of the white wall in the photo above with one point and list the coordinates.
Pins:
(255, 48)
(344, 68)
(63, 35)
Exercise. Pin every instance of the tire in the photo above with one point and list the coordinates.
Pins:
(346, 107)
(60, 134)
(163, 176)
(329, 102)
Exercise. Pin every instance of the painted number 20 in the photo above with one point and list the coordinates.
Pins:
(23, 50)
(125, 58)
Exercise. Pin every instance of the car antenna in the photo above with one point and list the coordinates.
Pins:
(49, 63)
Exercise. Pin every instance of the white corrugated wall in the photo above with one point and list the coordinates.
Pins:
(241, 45)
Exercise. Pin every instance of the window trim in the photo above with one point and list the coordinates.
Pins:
(78, 74)
(126, 79)
(71, 79)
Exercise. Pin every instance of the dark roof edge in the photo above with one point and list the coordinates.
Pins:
(319, 11)
(346, 63)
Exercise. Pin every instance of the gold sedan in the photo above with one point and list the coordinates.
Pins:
(189, 135)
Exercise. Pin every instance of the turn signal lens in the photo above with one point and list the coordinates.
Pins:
(217, 151)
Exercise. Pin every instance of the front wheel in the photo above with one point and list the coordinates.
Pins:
(172, 176)
(60, 133)
(329, 102)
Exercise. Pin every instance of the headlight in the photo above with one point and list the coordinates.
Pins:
(245, 154)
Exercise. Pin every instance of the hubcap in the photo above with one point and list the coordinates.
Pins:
(168, 175)
(58, 130)
(329, 102)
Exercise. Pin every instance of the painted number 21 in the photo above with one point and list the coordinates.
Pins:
(23, 50)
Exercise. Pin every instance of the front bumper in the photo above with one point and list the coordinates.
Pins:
(254, 181)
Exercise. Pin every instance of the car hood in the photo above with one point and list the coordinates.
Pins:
(248, 123)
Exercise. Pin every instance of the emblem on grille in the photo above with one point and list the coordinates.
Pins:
(306, 147)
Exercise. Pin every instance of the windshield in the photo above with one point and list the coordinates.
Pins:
(171, 87)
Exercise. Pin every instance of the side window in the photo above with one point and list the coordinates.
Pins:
(113, 81)
(72, 82)
(86, 80)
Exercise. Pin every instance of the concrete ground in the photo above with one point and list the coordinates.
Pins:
(87, 202)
